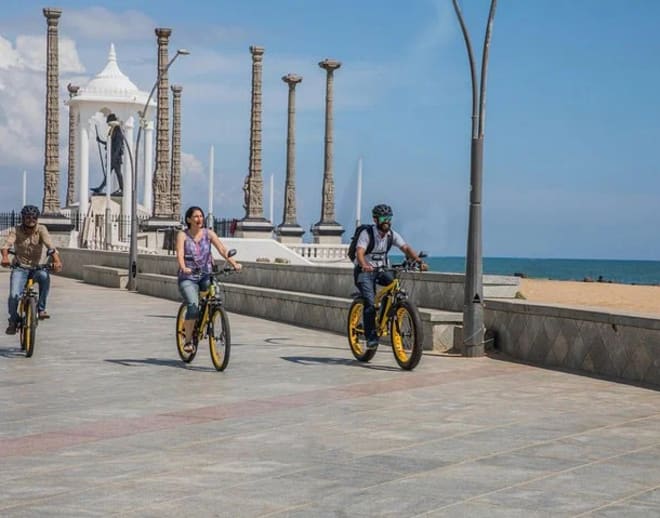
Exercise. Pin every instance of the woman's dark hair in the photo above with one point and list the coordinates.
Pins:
(190, 211)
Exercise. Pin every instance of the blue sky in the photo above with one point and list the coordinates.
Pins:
(571, 114)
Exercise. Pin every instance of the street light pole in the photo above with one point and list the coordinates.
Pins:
(132, 251)
(473, 310)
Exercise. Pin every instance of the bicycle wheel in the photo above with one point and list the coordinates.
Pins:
(219, 338)
(181, 336)
(29, 327)
(355, 332)
(407, 335)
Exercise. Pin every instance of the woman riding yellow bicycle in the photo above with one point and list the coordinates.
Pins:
(195, 260)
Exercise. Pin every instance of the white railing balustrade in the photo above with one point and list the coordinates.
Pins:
(318, 253)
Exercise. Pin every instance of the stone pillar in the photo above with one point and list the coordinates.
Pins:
(71, 173)
(59, 225)
(254, 224)
(51, 198)
(327, 230)
(289, 231)
(148, 168)
(161, 182)
(176, 152)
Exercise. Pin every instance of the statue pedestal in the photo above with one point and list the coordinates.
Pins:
(289, 233)
(327, 233)
(60, 228)
(56, 222)
(257, 228)
(161, 233)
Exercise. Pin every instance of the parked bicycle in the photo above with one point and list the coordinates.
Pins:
(28, 313)
(396, 317)
(212, 322)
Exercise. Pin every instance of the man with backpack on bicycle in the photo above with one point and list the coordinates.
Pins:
(368, 250)
(28, 239)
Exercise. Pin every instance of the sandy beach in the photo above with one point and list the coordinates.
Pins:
(627, 298)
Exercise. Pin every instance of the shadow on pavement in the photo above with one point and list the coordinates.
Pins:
(138, 362)
(12, 352)
(311, 360)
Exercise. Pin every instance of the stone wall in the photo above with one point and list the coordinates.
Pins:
(443, 291)
(625, 347)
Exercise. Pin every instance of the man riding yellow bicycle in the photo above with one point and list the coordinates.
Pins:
(372, 245)
(29, 239)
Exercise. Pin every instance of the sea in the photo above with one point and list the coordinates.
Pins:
(603, 270)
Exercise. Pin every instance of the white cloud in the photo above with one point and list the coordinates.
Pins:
(191, 167)
(99, 23)
(8, 55)
(30, 54)
(22, 83)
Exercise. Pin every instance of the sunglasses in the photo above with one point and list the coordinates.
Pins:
(384, 219)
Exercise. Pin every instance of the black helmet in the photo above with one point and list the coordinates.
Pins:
(30, 210)
(381, 210)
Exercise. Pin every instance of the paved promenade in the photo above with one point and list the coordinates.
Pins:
(105, 420)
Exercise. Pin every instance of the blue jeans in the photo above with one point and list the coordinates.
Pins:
(366, 282)
(189, 289)
(19, 277)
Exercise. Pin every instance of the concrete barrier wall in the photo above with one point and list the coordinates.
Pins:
(621, 346)
(302, 309)
(443, 291)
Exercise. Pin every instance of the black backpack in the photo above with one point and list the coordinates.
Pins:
(370, 245)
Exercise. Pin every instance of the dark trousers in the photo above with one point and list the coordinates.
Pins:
(366, 282)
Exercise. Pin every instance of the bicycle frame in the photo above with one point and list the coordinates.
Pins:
(28, 292)
(384, 301)
(207, 301)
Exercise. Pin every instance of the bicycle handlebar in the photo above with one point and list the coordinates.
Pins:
(406, 266)
(47, 266)
(38, 267)
(220, 271)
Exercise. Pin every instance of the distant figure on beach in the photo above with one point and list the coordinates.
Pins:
(116, 158)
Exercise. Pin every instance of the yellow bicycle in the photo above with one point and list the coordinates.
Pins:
(212, 323)
(27, 309)
(396, 317)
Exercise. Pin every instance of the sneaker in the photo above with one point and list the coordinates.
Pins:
(11, 328)
(43, 315)
(372, 344)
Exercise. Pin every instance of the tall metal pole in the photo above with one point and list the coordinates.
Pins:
(358, 204)
(132, 250)
(108, 189)
(24, 188)
(210, 216)
(473, 310)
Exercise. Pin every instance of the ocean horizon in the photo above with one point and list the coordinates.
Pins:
(604, 270)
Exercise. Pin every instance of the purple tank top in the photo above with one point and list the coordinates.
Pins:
(197, 255)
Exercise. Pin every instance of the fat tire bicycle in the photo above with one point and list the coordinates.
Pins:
(396, 317)
(28, 314)
(212, 323)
